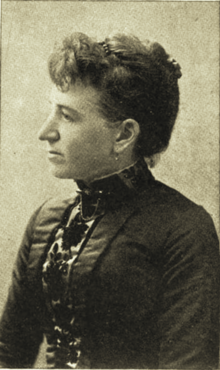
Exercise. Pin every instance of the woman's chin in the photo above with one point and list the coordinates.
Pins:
(60, 173)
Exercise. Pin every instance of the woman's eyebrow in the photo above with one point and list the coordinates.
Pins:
(66, 107)
(73, 111)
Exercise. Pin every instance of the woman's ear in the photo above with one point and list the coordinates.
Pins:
(127, 135)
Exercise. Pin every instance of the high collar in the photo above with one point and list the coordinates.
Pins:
(130, 180)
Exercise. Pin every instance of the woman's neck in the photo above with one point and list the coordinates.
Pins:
(118, 167)
(113, 173)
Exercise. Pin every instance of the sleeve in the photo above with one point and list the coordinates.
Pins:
(20, 330)
(189, 320)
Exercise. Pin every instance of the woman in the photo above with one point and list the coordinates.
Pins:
(125, 274)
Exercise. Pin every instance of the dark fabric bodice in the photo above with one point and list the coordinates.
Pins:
(68, 318)
(144, 286)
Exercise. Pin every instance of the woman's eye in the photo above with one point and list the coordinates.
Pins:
(67, 117)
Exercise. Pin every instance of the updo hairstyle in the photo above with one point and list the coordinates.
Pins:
(136, 80)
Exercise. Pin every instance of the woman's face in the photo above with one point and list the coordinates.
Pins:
(80, 144)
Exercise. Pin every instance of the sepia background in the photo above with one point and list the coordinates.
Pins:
(187, 30)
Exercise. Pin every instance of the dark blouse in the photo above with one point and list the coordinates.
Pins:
(125, 275)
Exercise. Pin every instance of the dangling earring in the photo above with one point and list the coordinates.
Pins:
(116, 157)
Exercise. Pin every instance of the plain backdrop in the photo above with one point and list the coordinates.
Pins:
(187, 30)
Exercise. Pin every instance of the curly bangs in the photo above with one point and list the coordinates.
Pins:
(77, 58)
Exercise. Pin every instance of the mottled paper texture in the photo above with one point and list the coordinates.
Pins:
(187, 30)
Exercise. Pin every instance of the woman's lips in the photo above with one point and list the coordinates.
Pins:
(54, 152)
(55, 156)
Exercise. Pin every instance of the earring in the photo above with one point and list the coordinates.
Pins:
(116, 157)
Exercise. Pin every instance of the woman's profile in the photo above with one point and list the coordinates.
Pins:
(125, 274)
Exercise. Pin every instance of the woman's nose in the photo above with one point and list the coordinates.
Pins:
(49, 130)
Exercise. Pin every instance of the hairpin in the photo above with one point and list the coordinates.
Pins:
(105, 47)
(176, 68)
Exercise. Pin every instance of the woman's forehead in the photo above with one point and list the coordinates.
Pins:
(78, 96)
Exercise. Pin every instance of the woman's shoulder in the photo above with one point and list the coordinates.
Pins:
(54, 207)
(170, 221)
(50, 213)
(167, 206)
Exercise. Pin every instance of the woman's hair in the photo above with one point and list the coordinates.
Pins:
(135, 80)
